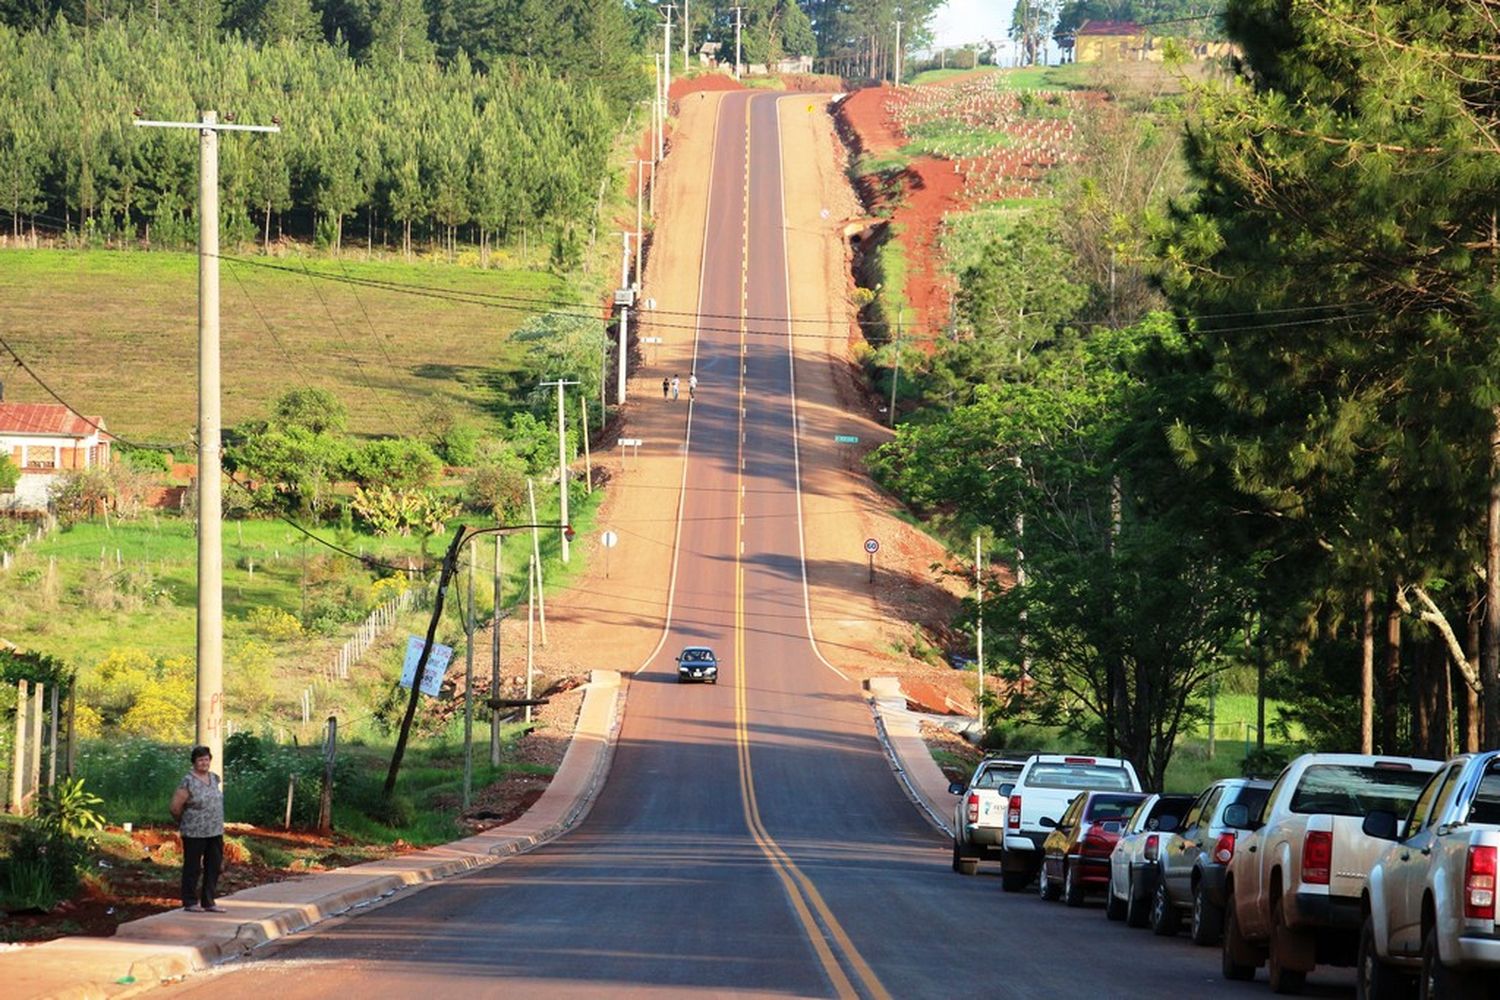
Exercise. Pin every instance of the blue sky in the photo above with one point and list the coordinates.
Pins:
(960, 21)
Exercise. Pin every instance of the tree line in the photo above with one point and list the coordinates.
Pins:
(408, 145)
(1234, 409)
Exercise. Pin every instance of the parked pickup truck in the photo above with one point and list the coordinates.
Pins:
(979, 816)
(1430, 905)
(1294, 889)
(1043, 790)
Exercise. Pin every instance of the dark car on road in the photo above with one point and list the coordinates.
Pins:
(1075, 855)
(698, 663)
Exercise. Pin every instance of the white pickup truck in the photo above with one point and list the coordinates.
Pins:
(1430, 908)
(1042, 792)
(1294, 890)
(979, 816)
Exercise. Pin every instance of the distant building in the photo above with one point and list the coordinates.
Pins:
(44, 440)
(1109, 41)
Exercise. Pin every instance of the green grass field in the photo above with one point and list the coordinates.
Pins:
(937, 75)
(115, 334)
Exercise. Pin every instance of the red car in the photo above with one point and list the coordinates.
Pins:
(1075, 856)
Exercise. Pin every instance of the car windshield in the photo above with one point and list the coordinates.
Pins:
(1102, 776)
(697, 656)
(1357, 789)
(996, 777)
(1105, 808)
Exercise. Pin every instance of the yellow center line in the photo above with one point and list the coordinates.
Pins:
(799, 888)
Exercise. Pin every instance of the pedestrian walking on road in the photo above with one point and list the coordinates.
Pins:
(666, 384)
(692, 384)
(198, 808)
(676, 386)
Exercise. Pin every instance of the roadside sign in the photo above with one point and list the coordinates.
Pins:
(872, 546)
(651, 340)
(437, 665)
(610, 539)
(631, 442)
(846, 438)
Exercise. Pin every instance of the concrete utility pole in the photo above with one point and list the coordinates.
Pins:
(210, 721)
(738, 11)
(898, 54)
(640, 236)
(687, 33)
(979, 623)
(896, 375)
(658, 115)
(666, 59)
(562, 457)
(495, 666)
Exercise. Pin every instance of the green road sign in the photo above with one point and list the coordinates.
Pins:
(846, 439)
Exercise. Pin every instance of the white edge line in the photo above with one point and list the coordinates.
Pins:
(786, 264)
(687, 440)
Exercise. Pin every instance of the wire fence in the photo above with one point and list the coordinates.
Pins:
(377, 623)
(42, 530)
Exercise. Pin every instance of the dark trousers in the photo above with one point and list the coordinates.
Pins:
(201, 856)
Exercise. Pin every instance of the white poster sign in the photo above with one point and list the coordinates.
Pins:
(437, 665)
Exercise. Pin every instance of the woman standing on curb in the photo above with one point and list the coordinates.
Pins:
(198, 808)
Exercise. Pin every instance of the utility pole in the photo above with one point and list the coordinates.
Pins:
(687, 33)
(469, 681)
(495, 666)
(898, 54)
(640, 178)
(666, 59)
(895, 375)
(979, 624)
(624, 298)
(738, 11)
(562, 455)
(658, 120)
(536, 558)
(209, 730)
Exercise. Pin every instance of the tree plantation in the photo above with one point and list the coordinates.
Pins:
(402, 149)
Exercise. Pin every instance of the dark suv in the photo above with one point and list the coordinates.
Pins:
(1193, 864)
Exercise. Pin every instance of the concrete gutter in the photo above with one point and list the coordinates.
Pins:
(147, 952)
(900, 734)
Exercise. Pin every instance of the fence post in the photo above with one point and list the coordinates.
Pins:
(18, 753)
(291, 791)
(52, 742)
(325, 803)
(39, 705)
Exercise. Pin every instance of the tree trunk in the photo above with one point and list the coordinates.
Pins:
(1421, 699)
(1443, 718)
(1490, 645)
(1367, 676)
(1390, 691)
(1468, 709)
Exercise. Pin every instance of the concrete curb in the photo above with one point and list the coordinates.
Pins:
(901, 738)
(147, 952)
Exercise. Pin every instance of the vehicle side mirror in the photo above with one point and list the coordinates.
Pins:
(956, 787)
(1381, 825)
(1237, 817)
(1047, 823)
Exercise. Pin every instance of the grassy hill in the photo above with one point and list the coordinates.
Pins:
(115, 333)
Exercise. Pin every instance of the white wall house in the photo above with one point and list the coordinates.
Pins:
(45, 440)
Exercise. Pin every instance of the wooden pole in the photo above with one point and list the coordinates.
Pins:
(291, 792)
(325, 801)
(38, 706)
(18, 752)
(52, 740)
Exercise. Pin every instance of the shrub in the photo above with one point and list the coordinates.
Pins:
(387, 588)
(395, 463)
(273, 623)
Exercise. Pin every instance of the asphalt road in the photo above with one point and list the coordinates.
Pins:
(751, 839)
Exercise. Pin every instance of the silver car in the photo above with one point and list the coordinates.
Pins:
(1192, 868)
(1133, 863)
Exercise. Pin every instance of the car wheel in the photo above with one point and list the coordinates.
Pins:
(964, 864)
(1439, 982)
(1114, 906)
(1284, 979)
(1137, 912)
(1165, 920)
(1044, 885)
(1014, 881)
(1208, 920)
(1072, 885)
(1234, 947)
(1376, 980)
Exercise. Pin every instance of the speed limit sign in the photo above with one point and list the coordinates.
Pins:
(872, 546)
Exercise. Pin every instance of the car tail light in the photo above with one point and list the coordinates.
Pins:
(1317, 857)
(1153, 842)
(1097, 842)
(1224, 849)
(1078, 760)
(1479, 884)
(1013, 813)
(973, 807)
